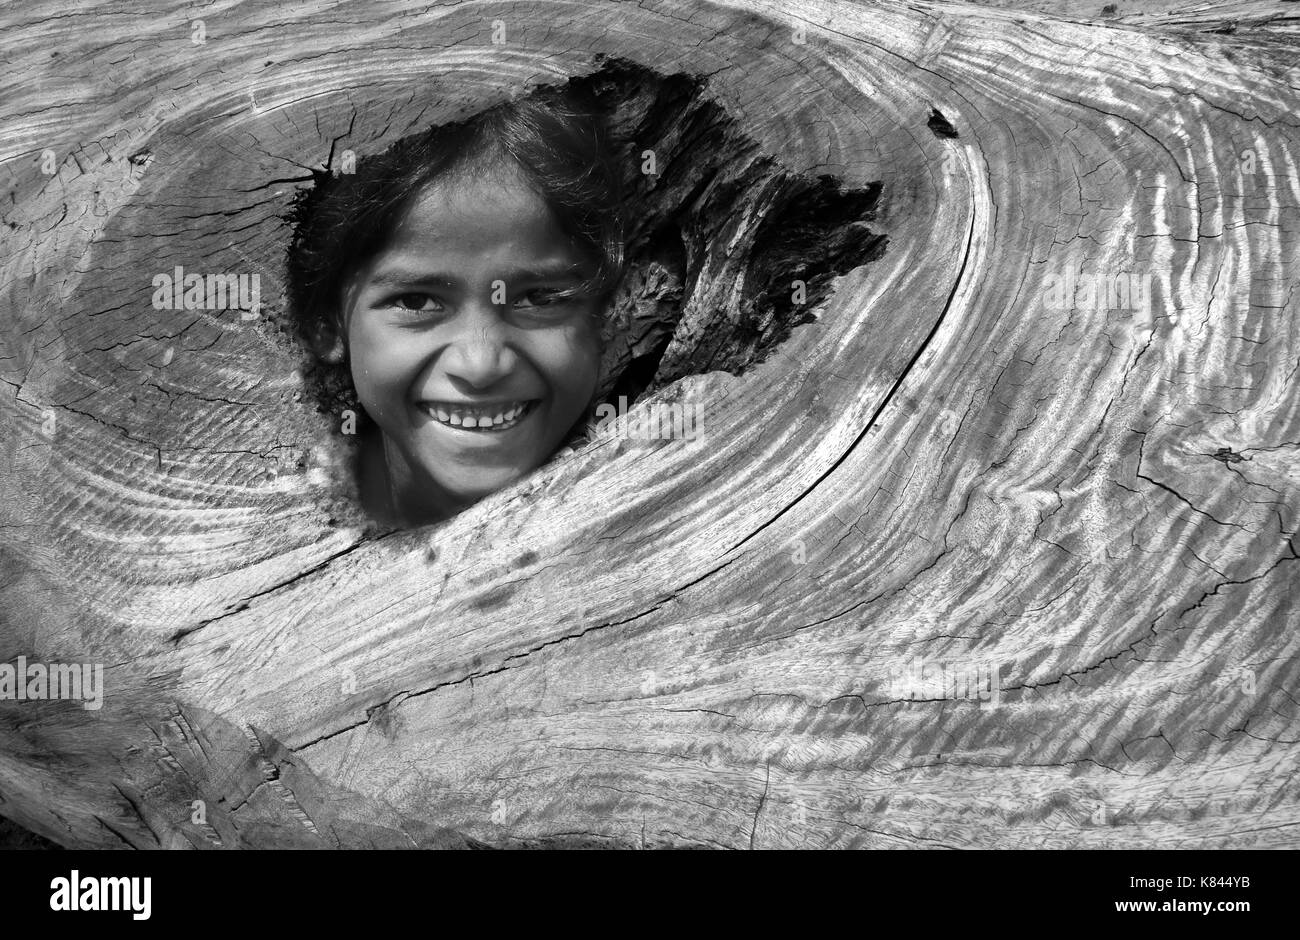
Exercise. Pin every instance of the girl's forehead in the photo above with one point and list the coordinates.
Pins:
(455, 208)
(479, 185)
(476, 226)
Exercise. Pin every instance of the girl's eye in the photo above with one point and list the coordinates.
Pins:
(415, 303)
(542, 297)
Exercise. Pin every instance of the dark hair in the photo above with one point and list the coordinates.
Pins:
(555, 137)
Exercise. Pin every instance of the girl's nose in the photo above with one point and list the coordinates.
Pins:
(479, 353)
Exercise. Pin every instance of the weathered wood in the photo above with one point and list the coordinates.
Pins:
(667, 642)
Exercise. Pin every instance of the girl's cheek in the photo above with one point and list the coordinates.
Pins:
(381, 364)
(579, 349)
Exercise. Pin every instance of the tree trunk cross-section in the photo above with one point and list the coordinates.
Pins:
(991, 552)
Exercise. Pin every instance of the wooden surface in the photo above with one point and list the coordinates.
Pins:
(673, 643)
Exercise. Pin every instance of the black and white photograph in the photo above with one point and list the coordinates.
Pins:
(607, 425)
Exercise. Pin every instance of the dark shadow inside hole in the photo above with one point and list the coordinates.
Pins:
(725, 250)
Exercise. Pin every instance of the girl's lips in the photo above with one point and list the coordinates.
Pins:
(479, 419)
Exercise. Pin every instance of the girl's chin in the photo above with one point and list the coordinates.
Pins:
(473, 483)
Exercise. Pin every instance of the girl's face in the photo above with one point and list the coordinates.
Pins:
(473, 371)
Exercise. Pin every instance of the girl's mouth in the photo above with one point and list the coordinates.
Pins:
(488, 418)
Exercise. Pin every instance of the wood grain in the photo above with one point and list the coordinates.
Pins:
(665, 642)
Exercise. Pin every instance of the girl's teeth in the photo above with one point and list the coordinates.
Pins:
(461, 420)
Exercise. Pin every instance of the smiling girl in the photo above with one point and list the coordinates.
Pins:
(462, 278)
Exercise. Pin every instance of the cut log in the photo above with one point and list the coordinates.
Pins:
(996, 550)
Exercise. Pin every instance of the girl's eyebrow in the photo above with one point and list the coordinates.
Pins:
(557, 272)
(400, 277)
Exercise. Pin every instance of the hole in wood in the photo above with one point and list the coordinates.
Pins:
(478, 297)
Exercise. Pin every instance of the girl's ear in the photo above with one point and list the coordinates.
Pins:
(327, 341)
(335, 353)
